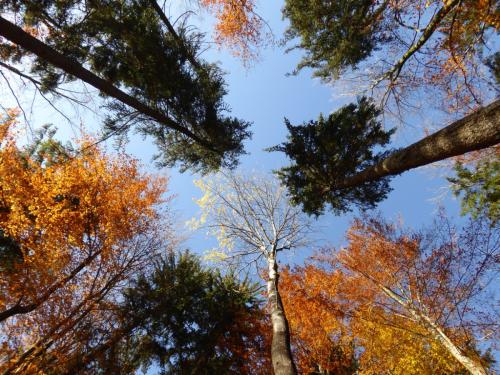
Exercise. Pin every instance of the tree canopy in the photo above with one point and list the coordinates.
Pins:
(147, 70)
(74, 225)
(182, 318)
(438, 47)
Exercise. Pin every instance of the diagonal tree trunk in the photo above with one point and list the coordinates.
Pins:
(281, 353)
(18, 36)
(476, 131)
(439, 335)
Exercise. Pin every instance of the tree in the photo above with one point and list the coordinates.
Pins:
(182, 318)
(434, 47)
(332, 335)
(146, 69)
(238, 26)
(480, 188)
(438, 280)
(410, 302)
(334, 160)
(253, 220)
(75, 224)
(320, 335)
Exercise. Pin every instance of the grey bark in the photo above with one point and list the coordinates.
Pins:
(281, 353)
(476, 131)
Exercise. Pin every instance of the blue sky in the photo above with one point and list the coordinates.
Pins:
(264, 95)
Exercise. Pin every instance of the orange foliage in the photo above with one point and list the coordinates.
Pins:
(238, 26)
(319, 335)
(81, 224)
(341, 317)
(450, 61)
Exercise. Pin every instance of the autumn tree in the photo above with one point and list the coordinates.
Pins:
(252, 219)
(238, 26)
(408, 302)
(331, 335)
(148, 72)
(440, 280)
(182, 318)
(396, 48)
(322, 342)
(75, 224)
(340, 160)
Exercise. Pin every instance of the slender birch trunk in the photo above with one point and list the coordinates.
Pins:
(474, 367)
(281, 353)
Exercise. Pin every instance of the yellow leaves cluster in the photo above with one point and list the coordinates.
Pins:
(400, 350)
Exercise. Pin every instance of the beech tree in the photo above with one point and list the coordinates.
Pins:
(334, 159)
(148, 71)
(75, 224)
(253, 220)
(439, 280)
(331, 336)
(238, 26)
(410, 302)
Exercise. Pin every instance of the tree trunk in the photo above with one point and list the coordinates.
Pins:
(281, 353)
(474, 367)
(476, 131)
(18, 36)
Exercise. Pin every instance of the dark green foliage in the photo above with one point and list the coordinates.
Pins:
(334, 34)
(326, 151)
(126, 43)
(10, 252)
(493, 63)
(479, 188)
(181, 319)
(45, 150)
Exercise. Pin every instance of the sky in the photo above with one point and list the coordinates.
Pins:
(264, 95)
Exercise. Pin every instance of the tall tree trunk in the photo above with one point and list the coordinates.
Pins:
(476, 131)
(474, 367)
(18, 36)
(281, 353)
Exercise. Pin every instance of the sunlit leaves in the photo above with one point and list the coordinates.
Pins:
(78, 225)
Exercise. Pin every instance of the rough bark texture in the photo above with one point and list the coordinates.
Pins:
(281, 353)
(476, 131)
(18, 36)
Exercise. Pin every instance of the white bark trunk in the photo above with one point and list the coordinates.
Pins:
(280, 347)
(472, 366)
